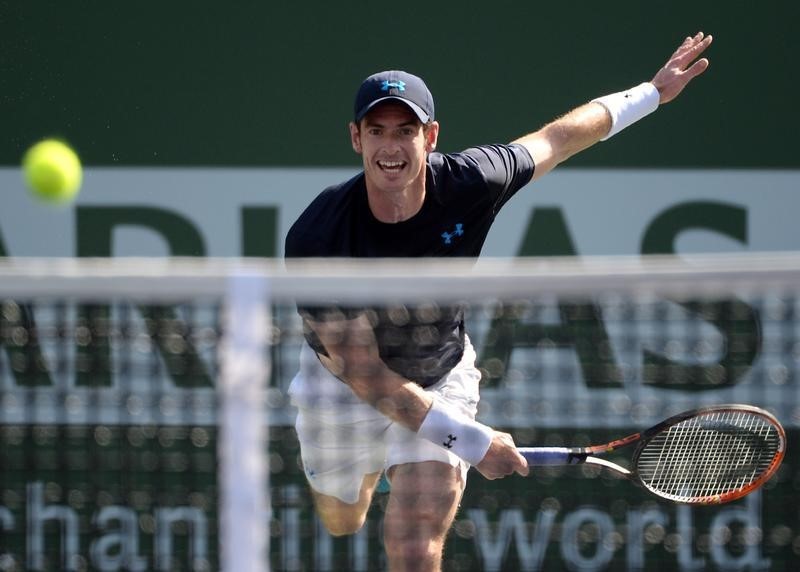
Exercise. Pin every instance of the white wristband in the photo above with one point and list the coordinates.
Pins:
(628, 107)
(457, 433)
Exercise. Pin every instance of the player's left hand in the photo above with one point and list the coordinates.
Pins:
(679, 69)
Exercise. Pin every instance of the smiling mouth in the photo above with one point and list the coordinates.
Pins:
(391, 166)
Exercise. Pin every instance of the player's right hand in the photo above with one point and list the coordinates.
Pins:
(682, 67)
(502, 458)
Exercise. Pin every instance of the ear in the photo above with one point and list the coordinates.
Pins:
(355, 137)
(431, 136)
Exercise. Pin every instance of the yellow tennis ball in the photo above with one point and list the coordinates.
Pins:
(52, 171)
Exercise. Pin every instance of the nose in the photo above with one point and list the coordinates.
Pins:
(393, 143)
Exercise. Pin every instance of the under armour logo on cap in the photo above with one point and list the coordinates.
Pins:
(399, 85)
(394, 85)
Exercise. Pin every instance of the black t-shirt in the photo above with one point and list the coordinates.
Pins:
(464, 192)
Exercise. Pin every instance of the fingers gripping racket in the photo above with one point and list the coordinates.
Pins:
(704, 456)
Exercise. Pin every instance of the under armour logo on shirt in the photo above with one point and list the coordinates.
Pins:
(449, 442)
(449, 236)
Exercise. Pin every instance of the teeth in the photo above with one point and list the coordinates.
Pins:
(391, 164)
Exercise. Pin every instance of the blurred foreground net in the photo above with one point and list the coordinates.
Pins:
(145, 423)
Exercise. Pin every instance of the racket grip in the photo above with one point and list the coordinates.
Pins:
(548, 455)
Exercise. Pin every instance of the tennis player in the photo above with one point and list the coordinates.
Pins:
(396, 390)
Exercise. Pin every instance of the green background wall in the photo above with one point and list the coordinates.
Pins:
(271, 83)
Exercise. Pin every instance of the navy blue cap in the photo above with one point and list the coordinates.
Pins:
(397, 85)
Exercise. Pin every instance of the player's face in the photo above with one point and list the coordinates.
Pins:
(393, 144)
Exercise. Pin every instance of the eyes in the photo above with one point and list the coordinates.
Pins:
(402, 132)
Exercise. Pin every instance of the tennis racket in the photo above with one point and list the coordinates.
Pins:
(705, 456)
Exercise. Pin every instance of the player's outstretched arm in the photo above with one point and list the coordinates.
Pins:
(605, 116)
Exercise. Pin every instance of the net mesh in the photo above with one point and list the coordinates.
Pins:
(124, 402)
(108, 435)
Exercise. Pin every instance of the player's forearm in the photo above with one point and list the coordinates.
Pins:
(399, 399)
(407, 404)
(586, 125)
(577, 130)
(561, 139)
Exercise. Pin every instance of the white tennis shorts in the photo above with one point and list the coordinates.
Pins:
(342, 439)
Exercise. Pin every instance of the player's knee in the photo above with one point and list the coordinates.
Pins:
(417, 538)
(413, 549)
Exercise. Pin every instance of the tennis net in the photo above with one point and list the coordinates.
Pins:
(146, 423)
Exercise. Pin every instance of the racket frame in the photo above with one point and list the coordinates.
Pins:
(538, 456)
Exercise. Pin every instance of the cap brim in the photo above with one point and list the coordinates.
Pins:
(424, 117)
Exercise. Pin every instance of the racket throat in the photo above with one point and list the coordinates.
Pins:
(577, 456)
(598, 462)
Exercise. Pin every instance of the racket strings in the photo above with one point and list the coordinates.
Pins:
(708, 455)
